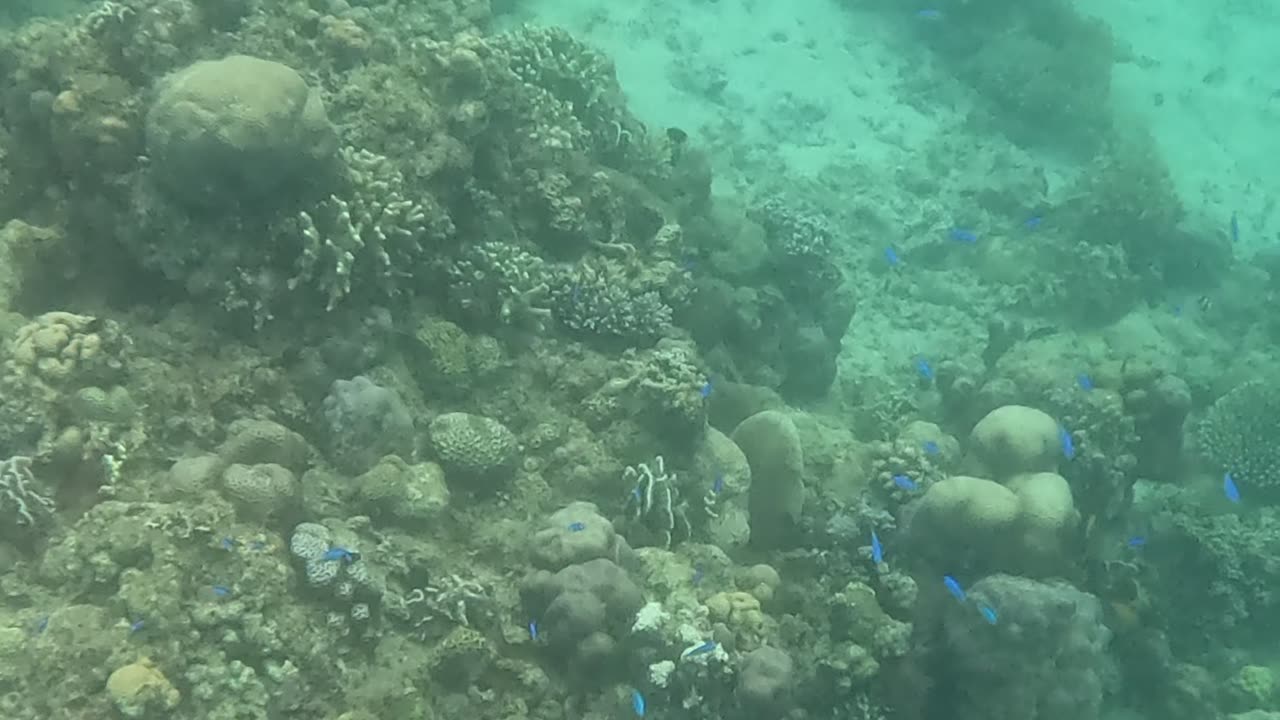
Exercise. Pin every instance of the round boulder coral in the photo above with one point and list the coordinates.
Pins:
(1014, 439)
(472, 448)
(964, 513)
(227, 132)
(576, 533)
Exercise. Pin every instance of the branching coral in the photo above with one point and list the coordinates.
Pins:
(17, 494)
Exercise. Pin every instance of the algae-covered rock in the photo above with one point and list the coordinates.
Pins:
(253, 442)
(575, 534)
(139, 689)
(766, 683)
(365, 422)
(403, 491)
(227, 132)
(771, 443)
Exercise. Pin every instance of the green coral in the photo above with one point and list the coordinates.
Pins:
(1238, 436)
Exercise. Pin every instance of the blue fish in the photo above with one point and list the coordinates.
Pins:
(705, 390)
(904, 482)
(137, 625)
(1136, 542)
(341, 554)
(1068, 445)
(924, 368)
(718, 484)
(1032, 222)
(697, 574)
(953, 587)
(637, 703)
(929, 14)
(1235, 227)
(41, 625)
(1229, 488)
(877, 550)
(229, 543)
(988, 613)
(931, 447)
(963, 235)
(702, 649)
(1177, 309)
(257, 545)
(891, 256)
(533, 630)
(577, 526)
(1084, 381)
(221, 590)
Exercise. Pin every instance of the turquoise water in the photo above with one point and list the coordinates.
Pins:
(717, 359)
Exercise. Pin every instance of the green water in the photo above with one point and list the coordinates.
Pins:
(437, 359)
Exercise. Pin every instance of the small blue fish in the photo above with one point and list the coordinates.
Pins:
(718, 484)
(341, 554)
(1084, 381)
(705, 390)
(877, 550)
(924, 368)
(137, 625)
(963, 235)
(41, 625)
(931, 447)
(637, 703)
(953, 587)
(929, 14)
(1068, 445)
(904, 482)
(1177, 309)
(891, 256)
(702, 649)
(221, 590)
(697, 574)
(1229, 488)
(533, 630)
(1136, 542)
(635, 493)
(988, 613)
(257, 545)
(229, 543)
(1235, 227)
(577, 526)
(1032, 222)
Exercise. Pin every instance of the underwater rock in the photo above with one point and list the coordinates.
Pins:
(1045, 658)
(772, 446)
(261, 491)
(234, 131)
(575, 534)
(583, 608)
(413, 493)
(964, 514)
(365, 422)
(256, 442)
(766, 682)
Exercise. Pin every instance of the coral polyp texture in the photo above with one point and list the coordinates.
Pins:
(1236, 436)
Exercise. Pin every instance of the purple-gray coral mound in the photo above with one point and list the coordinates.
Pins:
(1044, 657)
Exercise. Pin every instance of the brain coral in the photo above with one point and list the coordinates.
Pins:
(1238, 435)
(472, 447)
